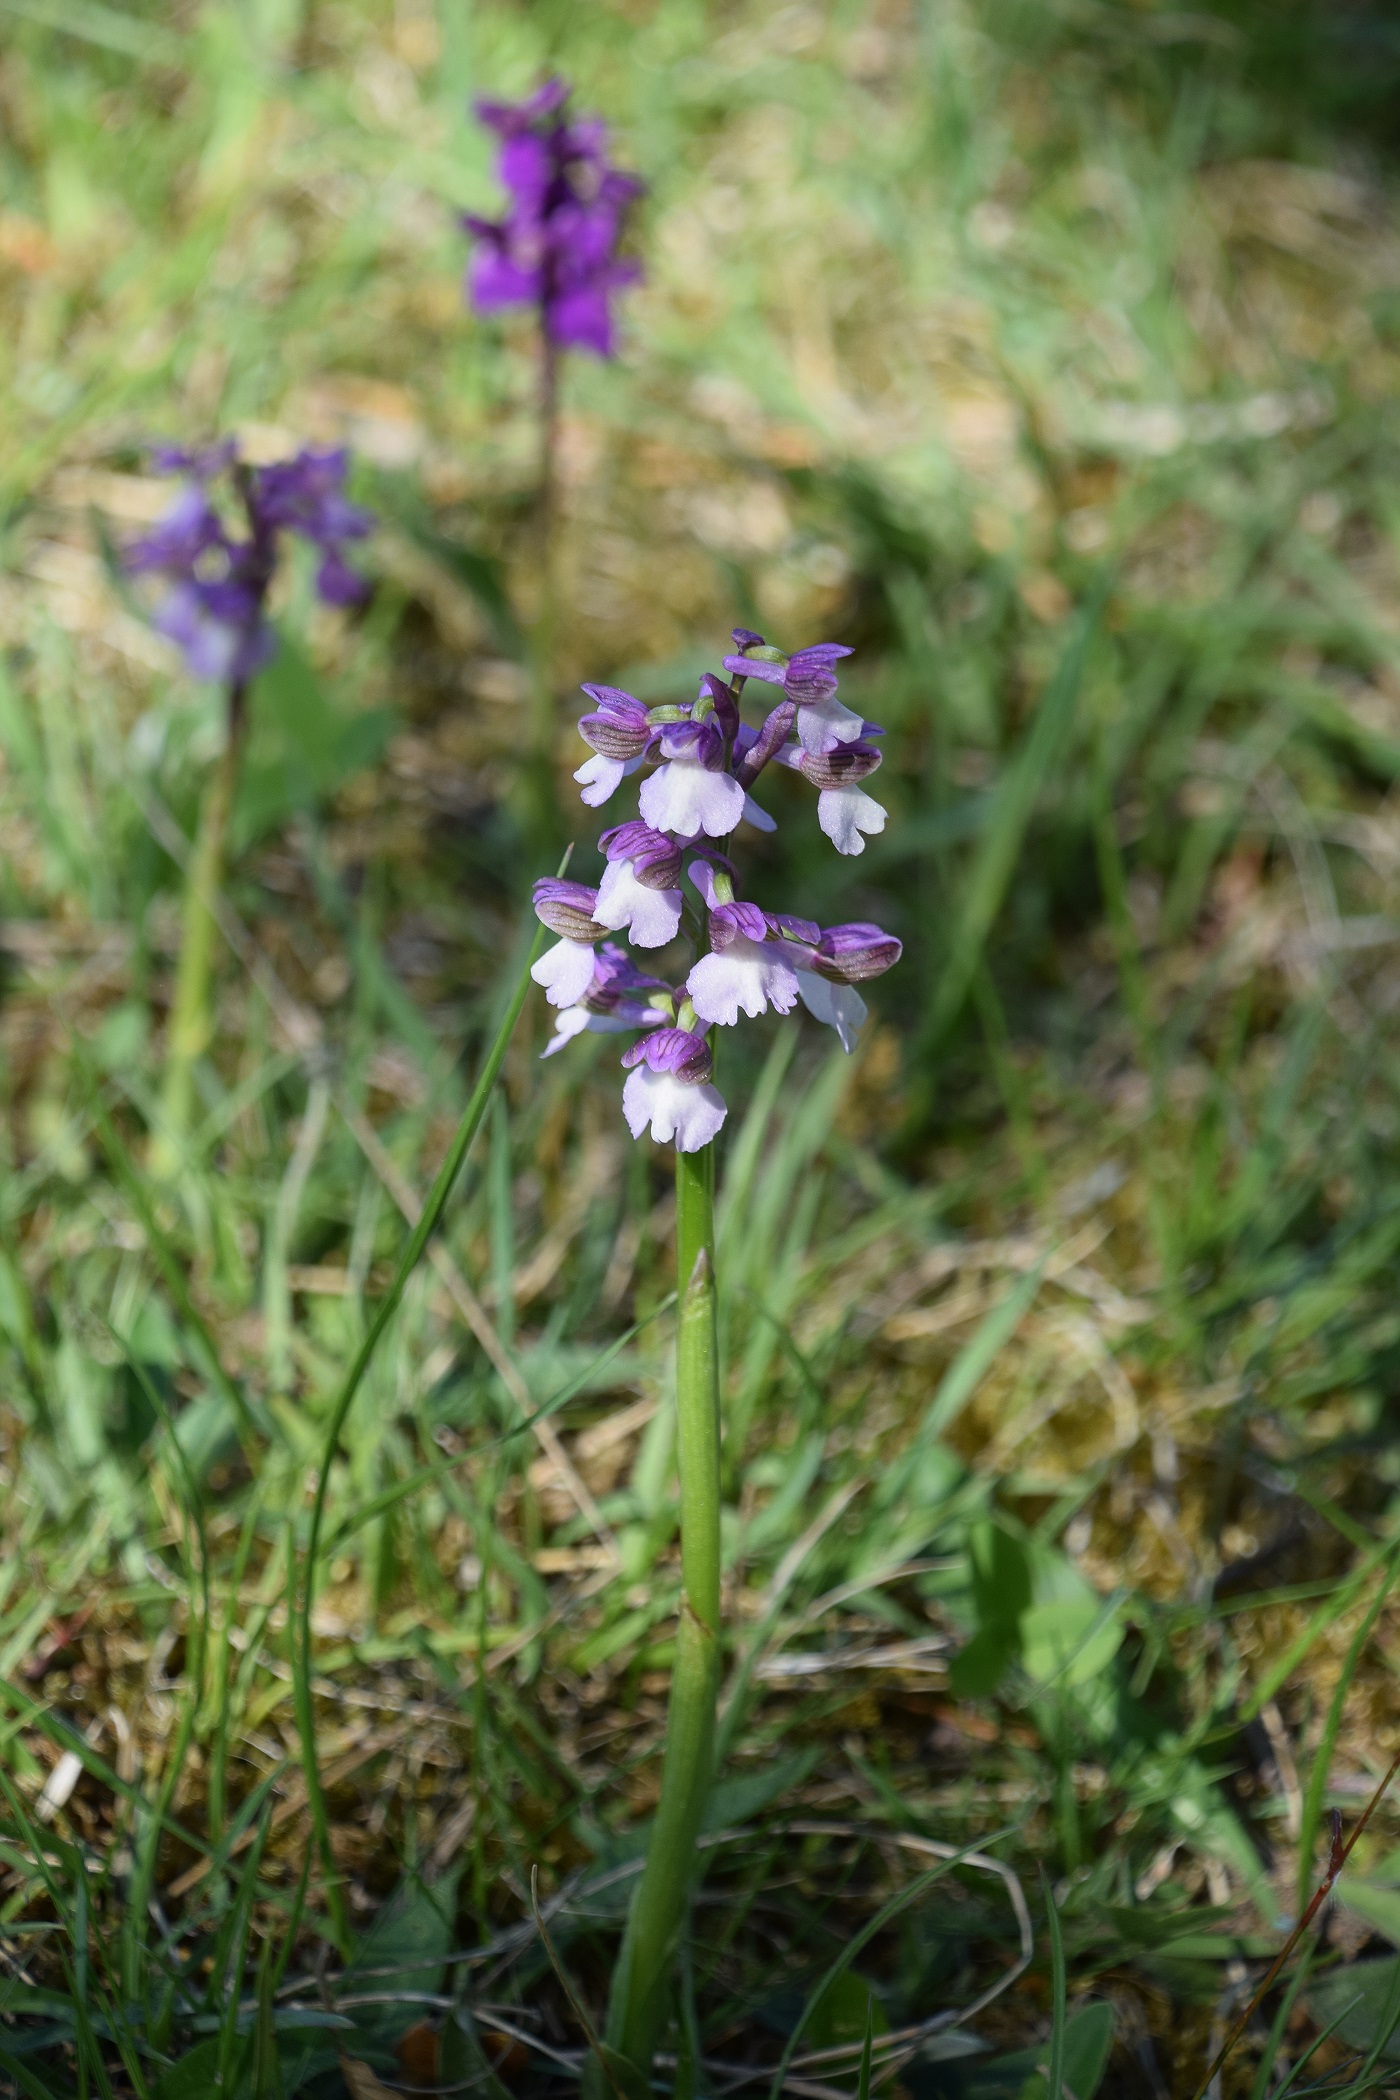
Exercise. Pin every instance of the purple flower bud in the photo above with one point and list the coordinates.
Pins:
(620, 727)
(725, 705)
(673, 1050)
(811, 672)
(806, 931)
(733, 922)
(655, 858)
(852, 953)
(566, 908)
(754, 748)
(841, 767)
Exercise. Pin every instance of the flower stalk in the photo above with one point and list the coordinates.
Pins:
(191, 1026)
(742, 959)
(641, 1980)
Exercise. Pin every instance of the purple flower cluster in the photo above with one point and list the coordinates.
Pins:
(706, 760)
(215, 608)
(557, 247)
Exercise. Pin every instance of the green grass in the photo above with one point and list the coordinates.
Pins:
(1048, 355)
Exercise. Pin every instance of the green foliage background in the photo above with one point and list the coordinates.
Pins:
(1047, 354)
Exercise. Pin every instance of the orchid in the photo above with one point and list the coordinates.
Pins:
(670, 877)
(216, 549)
(218, 577)
(557, 248)
(704, 759)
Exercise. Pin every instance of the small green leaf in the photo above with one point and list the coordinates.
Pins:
(192, 2077)
(1361, 1999)
(404, 1950)
(623, 2074)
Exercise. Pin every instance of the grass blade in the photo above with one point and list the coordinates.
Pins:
(1055, 2075)
(999, 848)
(388, 1305)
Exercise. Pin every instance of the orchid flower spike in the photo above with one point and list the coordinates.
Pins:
(218, 558)
(705, 759)
(558, 246)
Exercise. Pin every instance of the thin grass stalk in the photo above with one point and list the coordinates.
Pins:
(191, 1026)
(1055, 2069)
(388, 1305)
(541, 807)
(1338, 1856)
(641, 1981)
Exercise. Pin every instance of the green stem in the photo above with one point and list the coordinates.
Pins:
(191, 1025)
(642, 1978)
(388, 1305)
(542, 812)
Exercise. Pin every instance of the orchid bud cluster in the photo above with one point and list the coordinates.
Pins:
(706, 761)
(557, 248)
(215, 609)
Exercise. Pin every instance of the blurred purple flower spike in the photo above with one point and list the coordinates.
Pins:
(557, 247)
(215, 609)
(306, 495)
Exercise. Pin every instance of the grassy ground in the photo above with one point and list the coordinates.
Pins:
(1048, 355)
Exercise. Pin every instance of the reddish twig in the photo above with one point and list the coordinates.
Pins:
(1336, 1860)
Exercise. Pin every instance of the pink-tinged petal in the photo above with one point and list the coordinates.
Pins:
(600, 778)
(691, 1115)
(565, 971)
(703, 876)
(682, 797)
(759, 818)
(751, 667)
(844, 813)
(652, 916)
(825, 723)
(497, 280)
(747, 974)
(578, 1020)
(567, 1025)
(840, 1006)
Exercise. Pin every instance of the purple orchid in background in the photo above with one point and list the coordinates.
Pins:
(707, 759)
(216, 550)
(215, 609)
(557, 247)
